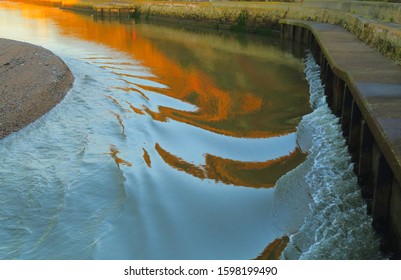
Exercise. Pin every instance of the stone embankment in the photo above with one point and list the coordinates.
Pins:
(377, 24)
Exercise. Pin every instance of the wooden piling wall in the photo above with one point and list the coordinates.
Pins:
(369, 117)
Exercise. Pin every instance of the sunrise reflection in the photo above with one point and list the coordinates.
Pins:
(237, 110)
(119, 161)
(274, 249)
(252, 98)
(146, 157)
(238, 173)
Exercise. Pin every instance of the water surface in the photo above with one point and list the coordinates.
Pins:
(166, 147)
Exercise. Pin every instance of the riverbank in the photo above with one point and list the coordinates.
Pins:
(32, 81)
(377, 24)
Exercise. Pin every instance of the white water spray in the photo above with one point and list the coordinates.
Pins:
(327, 217)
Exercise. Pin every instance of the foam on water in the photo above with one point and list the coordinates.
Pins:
(319, 203)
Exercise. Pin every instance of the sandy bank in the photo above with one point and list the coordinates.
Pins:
(32, 81)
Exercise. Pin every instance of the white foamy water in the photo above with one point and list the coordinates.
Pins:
(319, 203)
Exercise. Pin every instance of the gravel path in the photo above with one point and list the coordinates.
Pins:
(32, 81)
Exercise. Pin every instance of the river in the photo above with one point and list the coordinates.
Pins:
(168, 146)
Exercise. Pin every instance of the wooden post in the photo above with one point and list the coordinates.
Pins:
(310, 39)
(319, 56)
(286, 31)
(346, 112)
(365, 178)
(394, 217)
(354, 133)
(383, 180)
(306, 36)
(314, 49)
(323, 69)
(328, 81)
(338, 95)
(298, 34)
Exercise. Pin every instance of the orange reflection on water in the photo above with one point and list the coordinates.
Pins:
(69, 2)
(115, 101)
(120, 121)
(161, 117)
(239, 106)
(238, 173)
(273, 250)
(146, 158)
(136, 110)
(180, 164)
(219, 110)
(114, 152)
(250, 103)
(252, 174)
(130, 89)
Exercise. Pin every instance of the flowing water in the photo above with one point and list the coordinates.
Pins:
(168, 146)
(319, 203)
